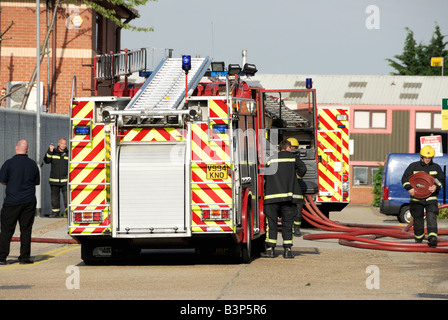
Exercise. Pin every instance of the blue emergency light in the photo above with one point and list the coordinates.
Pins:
(186, 63)
(82, 130)
(309, 83)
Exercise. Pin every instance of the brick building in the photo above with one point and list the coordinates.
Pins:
(78, 34)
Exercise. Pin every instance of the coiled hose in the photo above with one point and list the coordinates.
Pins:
(366, 236)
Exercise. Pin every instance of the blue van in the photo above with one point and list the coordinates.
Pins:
(394, 198)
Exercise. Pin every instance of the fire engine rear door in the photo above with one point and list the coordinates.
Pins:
(152, 192)
(329, 148)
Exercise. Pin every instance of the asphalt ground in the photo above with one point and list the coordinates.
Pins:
(56, 228)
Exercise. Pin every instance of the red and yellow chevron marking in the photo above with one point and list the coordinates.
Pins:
(88, 171)
(154, 134)
(333, 144)
(209, 148)
(204, 150)
(218, 112)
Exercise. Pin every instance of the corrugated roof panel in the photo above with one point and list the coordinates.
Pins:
(365, 89)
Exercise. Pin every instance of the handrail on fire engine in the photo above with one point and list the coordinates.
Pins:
(142, 112)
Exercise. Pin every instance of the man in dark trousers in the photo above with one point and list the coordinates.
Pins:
(282, 193)
(20, 175)
(58, 157)
(428, 204)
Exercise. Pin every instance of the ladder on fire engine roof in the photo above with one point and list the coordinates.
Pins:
(165, 88)
(291, 118)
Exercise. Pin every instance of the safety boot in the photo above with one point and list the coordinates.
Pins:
(297, 232)
(287, 254)
(269, 252)
(432, 241)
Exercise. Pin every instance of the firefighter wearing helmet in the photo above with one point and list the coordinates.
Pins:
(300, 173)
(282, 194)
(423, 179)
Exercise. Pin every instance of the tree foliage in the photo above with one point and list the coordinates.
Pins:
(416, 58)
(110, 13)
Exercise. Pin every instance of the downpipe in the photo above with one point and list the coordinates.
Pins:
(366, 236)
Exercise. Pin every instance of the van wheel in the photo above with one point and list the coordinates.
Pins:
(405, 214)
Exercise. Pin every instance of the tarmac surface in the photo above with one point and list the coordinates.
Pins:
(321, 270)
(56, 228)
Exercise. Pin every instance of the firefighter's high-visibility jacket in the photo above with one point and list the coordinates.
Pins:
(433, 169)
(59, 166)
(281, 183)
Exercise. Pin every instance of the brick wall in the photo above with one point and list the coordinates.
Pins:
(74, 48)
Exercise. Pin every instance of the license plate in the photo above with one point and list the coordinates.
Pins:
(217, 171)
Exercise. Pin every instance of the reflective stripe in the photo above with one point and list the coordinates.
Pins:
(427, 199)
(287, 242)
(271, 240)
(432, 234)
(54, 156)
(55, 210)
(433, 172)
(406, 183)
(281, 160)
(58, 180)
(283, 195)
(419, 237)
(298, 223)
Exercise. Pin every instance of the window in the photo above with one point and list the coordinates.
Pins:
(370, 120)
(428, 120)
(363, 176)
(360, 176)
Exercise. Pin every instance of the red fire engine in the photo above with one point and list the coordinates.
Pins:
(179, 163)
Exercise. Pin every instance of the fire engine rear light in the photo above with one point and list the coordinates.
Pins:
(345, 178)
(94, 216)
(215, 214)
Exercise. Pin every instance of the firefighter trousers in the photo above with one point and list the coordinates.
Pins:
(418, 213)
(298, 217)
(287, 211)
(56, 191)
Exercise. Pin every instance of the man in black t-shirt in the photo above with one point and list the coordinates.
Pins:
(20, 175)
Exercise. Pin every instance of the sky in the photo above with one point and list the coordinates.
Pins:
(320, 37)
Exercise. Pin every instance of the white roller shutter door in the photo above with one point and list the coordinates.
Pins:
(152, 188)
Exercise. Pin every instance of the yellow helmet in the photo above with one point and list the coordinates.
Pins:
(427, 151)
(294, 142)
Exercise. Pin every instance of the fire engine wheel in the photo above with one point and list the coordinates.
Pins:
(246, 246)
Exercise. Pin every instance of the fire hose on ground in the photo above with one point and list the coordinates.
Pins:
(48, 240)
(365, 236)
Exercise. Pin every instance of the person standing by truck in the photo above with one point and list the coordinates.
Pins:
(282, 193)
(58, 157)
(429, 202)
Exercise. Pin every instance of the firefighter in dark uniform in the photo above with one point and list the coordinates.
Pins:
(300, 173)
(429, 203)
(282, 193)
(58, 157)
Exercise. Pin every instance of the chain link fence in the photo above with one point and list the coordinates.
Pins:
(21, 124)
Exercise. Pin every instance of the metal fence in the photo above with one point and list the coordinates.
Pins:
(21, 124)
